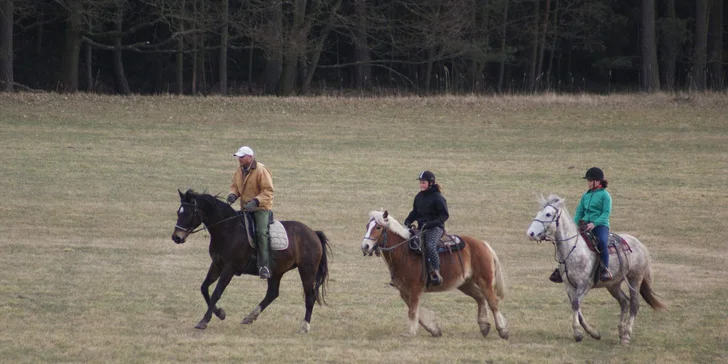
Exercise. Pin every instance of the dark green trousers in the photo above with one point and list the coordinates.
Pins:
(262, 237)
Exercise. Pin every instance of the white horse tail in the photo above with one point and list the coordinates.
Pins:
(499, 283)
(648, 294)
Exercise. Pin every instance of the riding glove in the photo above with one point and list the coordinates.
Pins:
(251, 205)
(231, 198)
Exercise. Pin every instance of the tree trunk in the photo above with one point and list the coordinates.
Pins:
(6, 45)
(363, 54)
(290, 58)
(180, 52)
(534, 47)
(122, 85)
(650, 71)
(318, 47)
(225, 13)
(715, 57)
(274, 58)
(68, 79)
(89, 72)
(553, 44)
(701, 42)
(504, 28)
(542, 42)
(669, 49)
(428, 72)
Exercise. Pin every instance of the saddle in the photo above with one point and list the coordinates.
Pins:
(614, 239)
(278, 235)
(447, 244)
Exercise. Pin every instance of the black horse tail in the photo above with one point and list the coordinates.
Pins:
(322, 274)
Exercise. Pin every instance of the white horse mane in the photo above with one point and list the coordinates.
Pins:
(390, 222)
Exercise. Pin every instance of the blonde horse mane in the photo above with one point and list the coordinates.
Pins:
(390, 222)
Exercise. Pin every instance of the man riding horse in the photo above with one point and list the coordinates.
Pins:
(253, 183)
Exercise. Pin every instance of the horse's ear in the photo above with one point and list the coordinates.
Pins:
(555, 200)
(180, 193)
(386, 214)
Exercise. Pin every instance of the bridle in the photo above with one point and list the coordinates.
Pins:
(195, 212)
(380, 244)
(547, 224)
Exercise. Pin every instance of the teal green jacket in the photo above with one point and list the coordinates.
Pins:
(594, 207)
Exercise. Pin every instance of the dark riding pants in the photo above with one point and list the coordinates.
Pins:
(602, 234)
(432, 236)
(262, 237)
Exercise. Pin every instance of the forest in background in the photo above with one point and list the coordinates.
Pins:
(304, 47)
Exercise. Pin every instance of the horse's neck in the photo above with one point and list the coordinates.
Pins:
(569, 241)
(394, 256)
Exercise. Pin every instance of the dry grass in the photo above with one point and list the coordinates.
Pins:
(89, 199)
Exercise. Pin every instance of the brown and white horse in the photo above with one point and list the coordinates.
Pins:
(477, 273)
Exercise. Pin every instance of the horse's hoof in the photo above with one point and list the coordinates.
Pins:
(201, 325)
(220, 313)
(597, 336)
(407, 334)
(485, 329)
(504, 334)
(626, 341)
(437, 333)
(247, 321)
(305, 328)
(578, 337)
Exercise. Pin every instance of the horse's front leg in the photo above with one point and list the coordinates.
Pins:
(413, 304)
(634, 299)
(212, 275)
(225, 277)
(270, 295)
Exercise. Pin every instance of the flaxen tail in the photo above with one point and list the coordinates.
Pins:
(648, 294)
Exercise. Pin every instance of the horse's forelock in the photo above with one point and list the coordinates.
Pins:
(553, 200)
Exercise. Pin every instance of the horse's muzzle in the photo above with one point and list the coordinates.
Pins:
(178, 239)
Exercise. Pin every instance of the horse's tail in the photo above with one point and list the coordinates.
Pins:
(648, 294)
(500, 285)
(322, 274)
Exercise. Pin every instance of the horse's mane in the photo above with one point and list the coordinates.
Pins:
(557, 201)
(391, 223)
(210, 200)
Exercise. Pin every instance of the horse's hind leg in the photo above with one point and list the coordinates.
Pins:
(619, 295)
(472, 290)
(270, 295)
(308, 277)
(500, 321)
(634, 307)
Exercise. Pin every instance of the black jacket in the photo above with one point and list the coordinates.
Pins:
(430, 208)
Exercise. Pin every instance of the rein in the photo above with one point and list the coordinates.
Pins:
(379, 244)
(195, 211)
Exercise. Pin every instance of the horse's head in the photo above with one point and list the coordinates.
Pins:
(377, 232)
(189, 217)
(543, 226)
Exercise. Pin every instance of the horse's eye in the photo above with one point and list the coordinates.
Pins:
(548, 214)
(379, 228)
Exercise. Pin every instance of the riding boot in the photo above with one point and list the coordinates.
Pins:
(262, 237)
(556, 276)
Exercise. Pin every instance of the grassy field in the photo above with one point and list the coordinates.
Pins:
(89, 195)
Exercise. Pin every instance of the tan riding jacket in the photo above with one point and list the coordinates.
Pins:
(257, 183)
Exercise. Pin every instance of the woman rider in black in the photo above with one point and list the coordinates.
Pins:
(430, 212)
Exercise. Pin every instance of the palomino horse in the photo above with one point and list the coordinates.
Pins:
(477, 273)
(578, 266)
(231, 255)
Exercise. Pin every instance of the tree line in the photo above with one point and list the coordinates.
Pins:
(299, 47)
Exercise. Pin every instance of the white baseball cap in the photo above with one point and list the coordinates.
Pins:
(243, 151)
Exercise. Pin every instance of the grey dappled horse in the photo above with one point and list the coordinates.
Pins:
(578, 266)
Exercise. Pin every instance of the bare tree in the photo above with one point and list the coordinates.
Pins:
(6, 45)
(534, 47)
(650, 72)
(224, 18)
(122, 85)
(363, 54)
(700, 46)
(503, 52)
(670, 36)
(715, 57)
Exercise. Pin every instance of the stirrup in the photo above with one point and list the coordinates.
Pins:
(605, 275)
(435, 278)
(264, 273)
(556, 277)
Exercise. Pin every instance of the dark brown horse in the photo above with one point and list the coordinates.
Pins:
(231, 254)
(478, 274)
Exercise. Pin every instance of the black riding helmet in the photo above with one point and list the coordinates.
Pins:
(595, 174)
(427, 176)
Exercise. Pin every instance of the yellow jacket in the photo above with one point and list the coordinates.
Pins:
(256, 184)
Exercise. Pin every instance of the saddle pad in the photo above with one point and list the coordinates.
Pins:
(278, 235)
(614, 239)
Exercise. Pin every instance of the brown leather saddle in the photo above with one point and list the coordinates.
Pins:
(614, 239)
